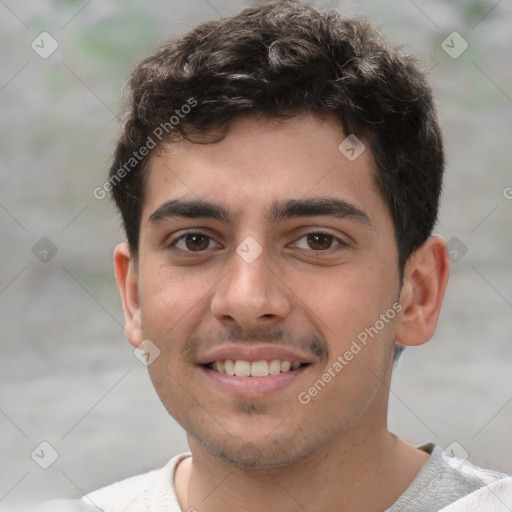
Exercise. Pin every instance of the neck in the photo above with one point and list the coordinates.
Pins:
(354, 472)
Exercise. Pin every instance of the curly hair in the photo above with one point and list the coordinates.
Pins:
(281, 59)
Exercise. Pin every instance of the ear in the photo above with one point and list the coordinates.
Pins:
(127, 282)
(425, 279)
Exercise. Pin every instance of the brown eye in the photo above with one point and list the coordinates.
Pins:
(193, 242)
(319, 241)
(197, 242)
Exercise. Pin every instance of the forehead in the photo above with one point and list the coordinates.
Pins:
(261, 161)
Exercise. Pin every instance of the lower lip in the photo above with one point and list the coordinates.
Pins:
(253, 385)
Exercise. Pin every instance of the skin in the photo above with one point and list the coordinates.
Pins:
(257, 451)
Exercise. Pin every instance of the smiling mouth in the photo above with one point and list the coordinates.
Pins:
(262, 368)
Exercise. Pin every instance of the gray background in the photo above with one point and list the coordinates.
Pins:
(67, 375)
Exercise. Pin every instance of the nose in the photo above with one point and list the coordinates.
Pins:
(251, 294)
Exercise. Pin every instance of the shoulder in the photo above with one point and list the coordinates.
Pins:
(127, 494)
(463, 475)
(495, 497)
(443, 480)
(153, 490)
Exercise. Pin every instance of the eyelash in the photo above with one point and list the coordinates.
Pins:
(183, 236)
(340, 244)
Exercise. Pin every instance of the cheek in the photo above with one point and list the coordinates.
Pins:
(356, 316)
(348, 301)
(171, 296)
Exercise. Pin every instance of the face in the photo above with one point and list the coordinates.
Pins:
(266, 249)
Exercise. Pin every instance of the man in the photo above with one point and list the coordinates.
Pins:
(278, 177)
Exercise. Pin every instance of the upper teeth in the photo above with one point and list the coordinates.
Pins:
(254, 369)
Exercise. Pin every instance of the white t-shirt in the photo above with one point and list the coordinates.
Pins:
(443, 481)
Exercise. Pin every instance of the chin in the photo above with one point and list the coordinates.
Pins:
(263, 453)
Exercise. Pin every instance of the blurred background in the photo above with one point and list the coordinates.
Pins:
(77, 409)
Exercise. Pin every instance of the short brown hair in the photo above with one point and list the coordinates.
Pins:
(280, 59)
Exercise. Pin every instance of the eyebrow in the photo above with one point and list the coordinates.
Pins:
(190, 210)
(279, 210)
(324, 206)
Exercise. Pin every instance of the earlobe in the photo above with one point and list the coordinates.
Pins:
(127, 282)
(425, 279)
